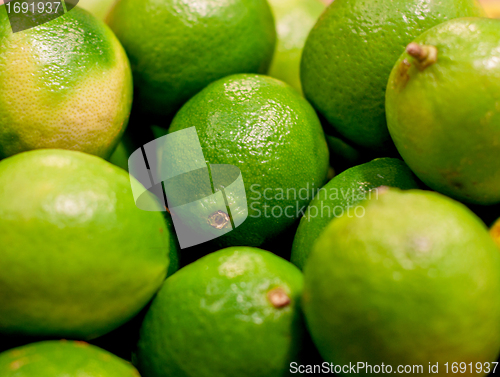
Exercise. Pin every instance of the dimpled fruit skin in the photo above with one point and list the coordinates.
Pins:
(63, 359)
(345, 191)
(445, 120)
(264, 127)
(416, 280)
(177, 47)
(294, 19)
(78, 257)
(350, 52)
(214, 318)
(64, 84)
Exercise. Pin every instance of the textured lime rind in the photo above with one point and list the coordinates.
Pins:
(78, 257)
(214, 317)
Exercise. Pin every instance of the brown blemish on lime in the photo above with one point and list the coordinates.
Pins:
(424, 55)
(495, 233)
(278, 297)
(403, 76)
(218, 219)
(15, 365)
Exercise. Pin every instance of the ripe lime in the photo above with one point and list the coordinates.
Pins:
(349, 54)
(443, 109)
(61, 89)
(234, 312)
(415, 281)
(266, 129)
(342, 194)
(78, 257)
(294, 20)
(178, 47)
(63, 359)
(98, 8)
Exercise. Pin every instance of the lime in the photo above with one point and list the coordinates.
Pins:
(234, 312)
(63, 359)
(178, 47)
(452, 94)
(342, 194)
(294, 20)
(413, 282)
(78, 257)
(61, 89)
(271, 133)
(349, 54)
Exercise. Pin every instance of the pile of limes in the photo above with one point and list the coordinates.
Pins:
(341, 165)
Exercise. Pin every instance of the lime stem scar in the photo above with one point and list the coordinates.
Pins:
(424, 55)
(278, 297)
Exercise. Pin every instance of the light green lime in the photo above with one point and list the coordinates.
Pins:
(63, 359)
(414, 281)
(349, 55)
(64, 84)
(343, 194)
(78, 257)
(443, 109)
(234, 312)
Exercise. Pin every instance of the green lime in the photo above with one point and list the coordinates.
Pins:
(234, 312)
(63, 359)
(61, 89)
(349, 55)
(98, 8)
(177, 47)
(78, 257)
(294, 20)
(447, 85)
(270, 132)
(413, 282)
(342, 195)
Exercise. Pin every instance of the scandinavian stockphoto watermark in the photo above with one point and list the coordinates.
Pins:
(26, 14)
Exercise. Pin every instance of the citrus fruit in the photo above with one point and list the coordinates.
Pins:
(294, 19)
(342, 195)
(271, 133)
(349, 55)
(491, 8)
(443, 109)
(98, 8)
(414, 281)
(61, 89)
(177, 47)
(234, 312)
(63, 359)
(78, 257)
(495, 232)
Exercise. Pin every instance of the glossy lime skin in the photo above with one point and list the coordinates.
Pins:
(63, 359)
(342, 194)
(265, 128)
(177, 47)
(65, 84)
(349, 55)
(294, 20)
(78, 257)
(214, 318)
(415, 280)
(445, 120)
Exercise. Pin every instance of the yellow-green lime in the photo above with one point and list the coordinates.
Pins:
(443, 109)
(349, 55)
(177, 47)
(294, 20)
(63, 359)
(271, 133)
(343, 194)
(64, 84)
(98, 8)
(415, 281)
(234, 312)
(78, 257)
